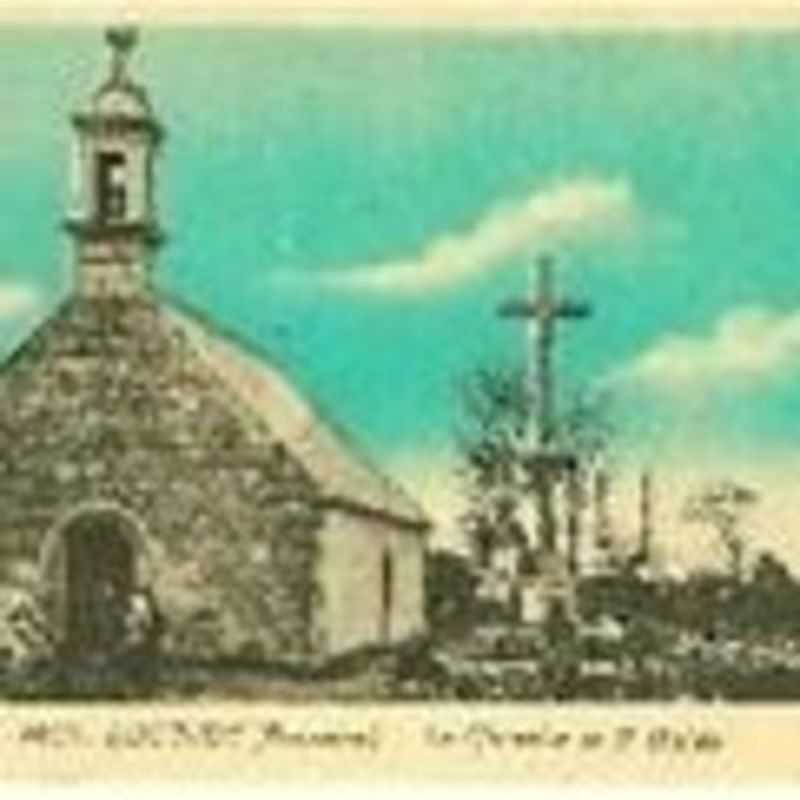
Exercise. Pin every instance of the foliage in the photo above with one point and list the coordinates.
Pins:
(498, 408)
(25, 637)
(722, 506)
(451, 606)
(623, 596)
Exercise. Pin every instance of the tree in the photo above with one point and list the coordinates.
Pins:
(449, 593)
(773, 597)
(697, 602)
(499, 406)
(771, 573)
(722, 505)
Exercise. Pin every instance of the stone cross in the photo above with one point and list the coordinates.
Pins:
(544, 310)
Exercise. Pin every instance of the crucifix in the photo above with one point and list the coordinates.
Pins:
(121, 39)
(541, 313)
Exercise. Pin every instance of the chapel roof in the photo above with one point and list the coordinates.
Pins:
(142, 331)
(324, 448)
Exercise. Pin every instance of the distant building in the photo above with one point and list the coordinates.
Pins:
(141, 448)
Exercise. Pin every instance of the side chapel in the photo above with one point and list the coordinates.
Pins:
(141, 448)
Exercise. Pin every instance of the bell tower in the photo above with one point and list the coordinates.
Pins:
(113, 218)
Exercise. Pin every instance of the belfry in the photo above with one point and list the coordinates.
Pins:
(114, 221)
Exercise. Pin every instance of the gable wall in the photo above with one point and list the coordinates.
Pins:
(104, 407)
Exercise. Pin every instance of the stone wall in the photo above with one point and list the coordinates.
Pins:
(350, 608)
(106, 405)
(408, 607)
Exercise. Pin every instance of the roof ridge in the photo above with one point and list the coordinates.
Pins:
(315, 429)
(37, 330)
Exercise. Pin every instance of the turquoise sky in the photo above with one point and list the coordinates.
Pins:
(295, 155)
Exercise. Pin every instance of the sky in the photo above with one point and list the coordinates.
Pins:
(358, 202)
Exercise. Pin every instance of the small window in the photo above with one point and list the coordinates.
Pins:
(111, 187)
(387, 593)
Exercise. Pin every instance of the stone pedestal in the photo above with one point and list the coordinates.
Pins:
(551, 587)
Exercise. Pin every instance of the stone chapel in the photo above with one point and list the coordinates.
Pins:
(139, 447)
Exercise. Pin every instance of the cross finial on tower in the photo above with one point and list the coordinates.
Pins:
(121, 39)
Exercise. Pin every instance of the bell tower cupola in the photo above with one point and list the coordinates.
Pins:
(113, 219)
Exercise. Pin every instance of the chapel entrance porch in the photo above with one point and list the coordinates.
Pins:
(99, 575)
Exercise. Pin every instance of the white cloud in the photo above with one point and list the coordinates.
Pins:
(569, 212)
(17, 300)
(747, 344)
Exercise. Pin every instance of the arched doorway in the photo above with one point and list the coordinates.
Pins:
(97, 571)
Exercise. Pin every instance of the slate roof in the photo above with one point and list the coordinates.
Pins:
(324, 449)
